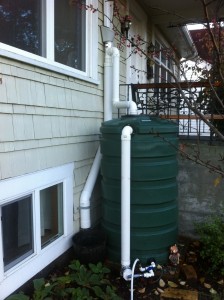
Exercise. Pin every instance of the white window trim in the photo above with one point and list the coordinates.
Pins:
(163, 42)
(14, 188)
(91, 74)
(140, 63)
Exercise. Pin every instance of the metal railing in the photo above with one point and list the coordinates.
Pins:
(167, 101)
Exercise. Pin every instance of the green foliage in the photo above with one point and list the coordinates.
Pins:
(211, 233)
(19, 296)
(80, 283)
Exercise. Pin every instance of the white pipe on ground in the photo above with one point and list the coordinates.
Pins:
(126, 200)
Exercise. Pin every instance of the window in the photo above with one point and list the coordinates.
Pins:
(17, 231)
(70, 34)
(20, 23)
(51, 213)
(162, 57)
(59, 32)
(36, 223)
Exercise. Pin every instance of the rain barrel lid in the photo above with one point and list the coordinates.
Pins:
(142, 124)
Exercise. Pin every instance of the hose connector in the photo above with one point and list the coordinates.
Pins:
(126, 273)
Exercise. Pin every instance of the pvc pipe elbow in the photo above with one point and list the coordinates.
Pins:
(126, 133)
(127, 273)
(133, 110)
(131, 105)
(112, 51)
(85, 199)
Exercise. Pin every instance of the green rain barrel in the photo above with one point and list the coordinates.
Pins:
(154, 169)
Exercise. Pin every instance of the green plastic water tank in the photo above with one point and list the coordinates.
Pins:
(154, 169)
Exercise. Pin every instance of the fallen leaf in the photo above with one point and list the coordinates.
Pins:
(172, 284)
(207, 285)
(212, 291)
(182, 282)
(217, 181)
(172, 272)
(159, 267)
(160, 290)
(162, 283)
(141, 291)
(156, 293)
(221, 282)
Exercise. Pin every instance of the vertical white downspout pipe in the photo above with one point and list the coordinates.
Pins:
(130, 105)
(126, 200)
(85, 222)
(85, 219)
(111, 98)
(108, 86)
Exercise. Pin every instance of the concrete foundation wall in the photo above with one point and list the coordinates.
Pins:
(199, 196)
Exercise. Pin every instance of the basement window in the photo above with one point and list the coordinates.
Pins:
(36, 225)
(51, 213)
(17, 231)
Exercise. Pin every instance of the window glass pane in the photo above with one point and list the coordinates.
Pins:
(163, 74)
(156, 73)
(17, 231)
(20, 24)
(163, 55)
(70, 28)
(51, 213)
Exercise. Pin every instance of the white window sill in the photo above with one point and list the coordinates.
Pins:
(35, 60)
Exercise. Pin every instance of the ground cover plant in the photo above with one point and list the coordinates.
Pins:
(211, 232)
(104, 281)
(79, 282)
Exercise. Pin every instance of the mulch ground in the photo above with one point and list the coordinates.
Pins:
(189, 280)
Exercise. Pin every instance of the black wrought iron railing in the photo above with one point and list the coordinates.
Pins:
(167, 100)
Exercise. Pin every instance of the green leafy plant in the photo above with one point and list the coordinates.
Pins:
(211, 232)
(80, 282)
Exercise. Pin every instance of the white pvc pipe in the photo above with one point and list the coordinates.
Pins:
(87, 192)
(126, 199)
(111, 97)
(108, 87)
(130, 105)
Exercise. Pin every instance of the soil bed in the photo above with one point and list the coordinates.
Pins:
(188, 280)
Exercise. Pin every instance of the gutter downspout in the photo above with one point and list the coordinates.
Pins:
(189, 41)
(85, 222)
(111, 91)
(130, 105)
(87, 192)
(126, 201)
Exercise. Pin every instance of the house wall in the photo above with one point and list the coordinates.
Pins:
(199, 196)
(47, 120)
